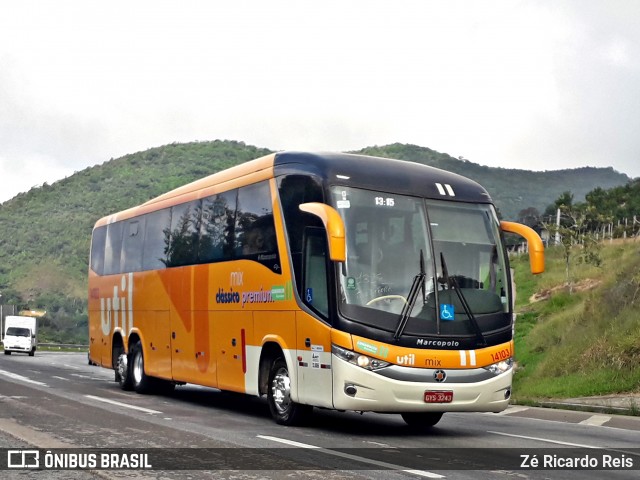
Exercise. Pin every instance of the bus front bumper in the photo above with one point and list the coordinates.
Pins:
(358, 389)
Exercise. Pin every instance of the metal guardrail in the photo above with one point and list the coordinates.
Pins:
(63, 345)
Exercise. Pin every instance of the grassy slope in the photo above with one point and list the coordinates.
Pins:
(584, 343)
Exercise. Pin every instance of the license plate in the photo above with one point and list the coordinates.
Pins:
(438, 396)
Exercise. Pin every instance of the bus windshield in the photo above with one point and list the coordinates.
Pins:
(449, 251)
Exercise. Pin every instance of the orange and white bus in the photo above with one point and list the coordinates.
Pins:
(329, 280)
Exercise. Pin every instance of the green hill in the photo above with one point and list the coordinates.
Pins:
(45, 233)
(512, 190)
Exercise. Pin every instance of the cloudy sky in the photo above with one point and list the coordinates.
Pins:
(537, 85)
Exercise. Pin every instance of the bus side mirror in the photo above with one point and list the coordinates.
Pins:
(334, 226)
(534, 242)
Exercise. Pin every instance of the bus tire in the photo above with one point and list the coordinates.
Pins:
(32, 352)
(7, 352)
(422, 420)
(123, 370)
(142, 383)
(283, 409)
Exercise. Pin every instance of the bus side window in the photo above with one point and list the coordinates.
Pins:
(97, 249)
(184, 233)
(156, 237)
(315, 293)
(295, 190)
(216, 231)
(113, 248)
(255, 233)
(132, 245)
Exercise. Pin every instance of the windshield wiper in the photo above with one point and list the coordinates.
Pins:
(417, 285)
(453, 285)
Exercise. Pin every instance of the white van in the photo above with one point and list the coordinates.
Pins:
(20, 335)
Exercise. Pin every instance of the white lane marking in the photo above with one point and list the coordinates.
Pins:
(626, 452)
(596, 420)
(86, 376)
(123, 405)
(385, 445)
(15, 376)
(547, 440)
(60, 378)
(420, 473)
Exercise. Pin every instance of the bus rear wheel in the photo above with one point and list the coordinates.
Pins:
(283, 409)
(123, 373)
(422, 420)
(142, 383)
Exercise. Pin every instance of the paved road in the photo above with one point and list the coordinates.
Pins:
(56, 400)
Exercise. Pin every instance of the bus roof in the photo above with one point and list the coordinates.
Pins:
(382, 174)
(376, 173)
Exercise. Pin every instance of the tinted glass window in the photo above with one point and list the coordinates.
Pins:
(97, 249)
(295, 190)
(216, 233)
(315, 271)
(472, 256)
(255, 234)
(443, 259)
(113, 248)
(132, 245)
(237, 224)
(156, 239)
(185, 230)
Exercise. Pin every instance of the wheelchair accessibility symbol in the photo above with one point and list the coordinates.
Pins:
(447, 311)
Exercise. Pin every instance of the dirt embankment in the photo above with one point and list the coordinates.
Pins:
(581, 286)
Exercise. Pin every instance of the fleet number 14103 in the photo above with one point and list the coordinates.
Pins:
(501, 355)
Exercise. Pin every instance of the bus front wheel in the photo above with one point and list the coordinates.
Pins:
(421, 420)
(283, 409)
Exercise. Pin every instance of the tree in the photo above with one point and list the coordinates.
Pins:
(577, 242)
(530, 216)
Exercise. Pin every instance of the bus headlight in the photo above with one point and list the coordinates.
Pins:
(362, 361)
(500, 367)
